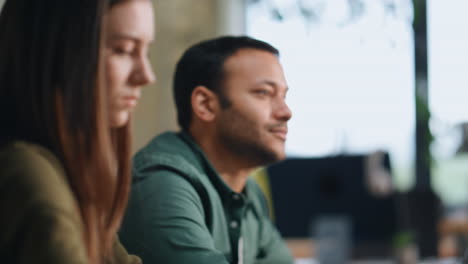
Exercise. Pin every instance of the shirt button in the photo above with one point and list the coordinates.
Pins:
(234, 224)
(236, 197)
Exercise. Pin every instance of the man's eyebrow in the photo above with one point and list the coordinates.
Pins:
(272, 83)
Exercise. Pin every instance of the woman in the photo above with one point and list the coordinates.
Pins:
(70, 75)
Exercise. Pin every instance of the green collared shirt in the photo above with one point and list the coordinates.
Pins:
(181, 211)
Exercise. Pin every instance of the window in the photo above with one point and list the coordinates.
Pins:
(448, 97)
(351, 76)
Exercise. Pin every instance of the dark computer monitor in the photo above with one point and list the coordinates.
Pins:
(305, 189)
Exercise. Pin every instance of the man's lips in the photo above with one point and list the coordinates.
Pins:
(280, 132)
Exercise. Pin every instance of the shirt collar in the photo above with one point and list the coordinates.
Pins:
(227, 195)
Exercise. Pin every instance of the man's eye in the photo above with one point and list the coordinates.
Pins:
(262, 92)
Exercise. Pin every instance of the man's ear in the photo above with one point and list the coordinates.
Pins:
(205, 103)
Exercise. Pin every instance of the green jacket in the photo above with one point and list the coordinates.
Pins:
(181, 211)
(39, 219)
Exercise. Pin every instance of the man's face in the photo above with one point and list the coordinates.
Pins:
(254, 125)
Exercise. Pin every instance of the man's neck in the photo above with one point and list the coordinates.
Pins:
(232, 169)
(236, 180)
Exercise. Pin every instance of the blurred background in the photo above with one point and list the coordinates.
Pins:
(378, 143)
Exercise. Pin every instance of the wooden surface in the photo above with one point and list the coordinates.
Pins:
(301, 247)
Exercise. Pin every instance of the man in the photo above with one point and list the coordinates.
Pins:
(192, 200)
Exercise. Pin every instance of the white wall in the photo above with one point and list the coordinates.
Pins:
(231, 16)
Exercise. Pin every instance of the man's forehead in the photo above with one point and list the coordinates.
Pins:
(251, 61)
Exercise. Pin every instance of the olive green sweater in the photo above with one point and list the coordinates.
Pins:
(39, 219)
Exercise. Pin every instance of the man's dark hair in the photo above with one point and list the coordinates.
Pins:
(202, 64)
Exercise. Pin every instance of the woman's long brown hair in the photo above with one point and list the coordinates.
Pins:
(52, 93)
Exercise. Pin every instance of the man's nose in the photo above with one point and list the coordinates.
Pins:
(283, 111)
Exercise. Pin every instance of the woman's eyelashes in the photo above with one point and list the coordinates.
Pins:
(127, 48)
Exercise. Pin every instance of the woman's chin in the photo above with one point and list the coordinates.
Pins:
(119, 119)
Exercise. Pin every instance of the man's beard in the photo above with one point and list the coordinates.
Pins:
(241, 137)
